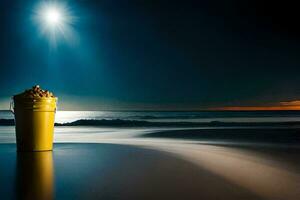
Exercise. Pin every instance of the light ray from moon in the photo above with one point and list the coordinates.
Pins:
(55, 20)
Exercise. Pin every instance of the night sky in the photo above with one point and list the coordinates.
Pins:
(156, 54)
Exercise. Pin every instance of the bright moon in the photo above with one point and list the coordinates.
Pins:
(55, 21)
(52, 16)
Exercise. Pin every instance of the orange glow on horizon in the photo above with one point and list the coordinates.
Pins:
(254, 108)
(284, 105)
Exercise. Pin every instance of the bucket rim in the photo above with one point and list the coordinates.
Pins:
(34, 99)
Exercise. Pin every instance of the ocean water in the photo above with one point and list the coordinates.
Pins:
(138, 126)
(168, 116)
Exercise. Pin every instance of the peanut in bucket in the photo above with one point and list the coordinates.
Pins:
(34, 112)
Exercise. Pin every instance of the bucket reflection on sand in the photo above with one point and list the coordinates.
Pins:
(35, 175)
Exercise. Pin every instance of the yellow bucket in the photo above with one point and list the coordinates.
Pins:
(34, 122)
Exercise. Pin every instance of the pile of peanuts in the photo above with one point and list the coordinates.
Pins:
(36, 92)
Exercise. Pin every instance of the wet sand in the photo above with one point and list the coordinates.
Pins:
(107, 171)
(141, 164)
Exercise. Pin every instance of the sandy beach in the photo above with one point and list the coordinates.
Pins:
(149, 100)
(114, 163)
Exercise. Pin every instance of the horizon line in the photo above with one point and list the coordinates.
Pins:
(230, 108)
